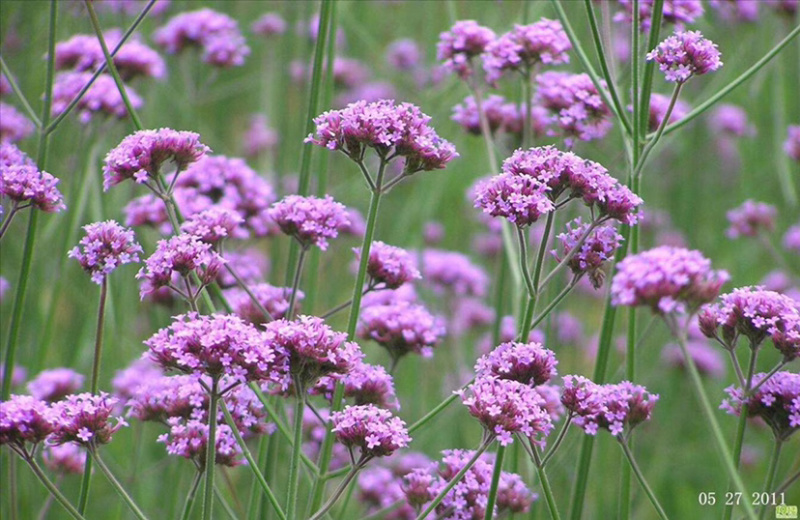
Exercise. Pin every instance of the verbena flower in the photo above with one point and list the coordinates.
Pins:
(730, 120)
(106, 246)
(183, 254)
(525, 46)
(598, 248)
(463, 42)
(127, 381)
(55, 384)
(791, 240)
(217, 34)
(260, 137)
(750, 219)
(403, 55)
(506, 407)
(685, 54)
(218, 345)
(666, 279)
(792, 144)
(756, 314)
(65, 458)
(453, 272)
(521, 199)
(85, 419)
(495, 109)
(376, 432)
(310, 220)
(736, 10)
(709, 361)
(161, 397)
(380, 488)
(25, 185)
(469, 314)
(213, 225)
(14, 126)
(659, 104)
(24, 419)
(132, 7)
(269, 24)
(678, 12)
(777, 402)
(364, 384)
(390, 266)
(617, 408)
(82, 52)
(10, 155)
(577, 107)
(103, 96)
(140, 155)
(527, 363)
(275, 301)
(401, 328)
(189, 438)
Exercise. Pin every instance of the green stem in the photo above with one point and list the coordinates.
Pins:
(339, 490)
(116, 485)
(561, 434)
(659, 132)
(548, 491)
(251, 461)
(11, 81)
(498, 469)
(436, 410)
(768, 375)
(772, 470)
(53, 489)
(294, 465)
(523, 262)
(649, 66)
(211, 450)
(572, 252)
(98, 339)
(552, 305)
(640, 476)
(486, 132)
(737, 453)
(296, 282)
(527, 92)
(189, 502)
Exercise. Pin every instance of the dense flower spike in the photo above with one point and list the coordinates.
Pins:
(218, 345)
(216, 33)
(526, 46)
(453, 272)
(141, 155)
(391, 129)
(189, 438)
(750, 219)
(792, 144)
(666, 279)
(55, 384)
(365, 384)
(85, 419)
(213, 225)
(14, 126)
(311, 220)
(519, 198)
(183, 254)
(756, 314)
(24, 419)
(26, 186)
(685, 54)
(389, 266)
(506, 407)
(313, 349)
(65, 458)
(678, 12)
(106, 246)
(103, 96)
(463, 42)
(275, 301)
(527, 363)
(617, 408)
(401, 328)
(376, 432)
(577, 107)
(776, 401)
(83, 52)
(598, 248)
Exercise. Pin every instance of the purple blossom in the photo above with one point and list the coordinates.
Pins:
(750, 219)
(14, 126)
(55, 384)
(389, 266)
(141, 155)
(730, 120)
(376, 432)
(10, 155)
(740, 10)
(666, 279)
(577, 107)
(275, 301)
(310, 220)
(106, 246)
(18, 373)
(457, 47)
(183, 254)
(380, 488)
(313, 349)
(678, 12)
(213, 225)
(792, 144)
(269, 24)
(132, 7)
(506, 407)
(24, 418)
(617, 408)
(526, 46)
(495, 108)
(527, 363)
(468, 314)
(65, 458)
(401, 328)
(371, 92)
(708, 360)
(364, 384)
(777, 402)
(598, 248)
(685, 54)
(453, 272)
(659, 104)
(249, 264)
(83, 52)
(26, 186)
(403, 55)
(217, 34)
(519, 198)
(85, 419)
(103, 97)
(218, 345)
(189, 438)
(5, 85)
(259, 137)
(551, 395)
(127, 381)
(791, 240)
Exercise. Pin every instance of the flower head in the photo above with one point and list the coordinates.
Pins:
(685, 54)
(259, 137)
(526, 45)
(454, 272)
(212, 225)
(85, 419)
(275, 300)
(598, 248)
(577, 107)
(83, 52)
(65, 458)
(495, 108)
(777, 401)
(401, 328)
(24, 418)
(390, 266)
(311, 220)
(791, 240)
(269, 24)
(217, 34)
(730, 120)
(521, 199)
(463, 42)
(403, 55)
(375, 431)
(364, 384)
(792, 144)
(103, 96)
(751, 218)
(659, 104)
(527, 363)
(189, 438)
(26, 185)
(183, 254)
(14, 126)
(106, 246)
(55, 384)
(678, 12)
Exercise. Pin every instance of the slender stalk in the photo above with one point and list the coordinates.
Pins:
(339, 490)
(98, 338)
(436, 411)
(649, 66)
(296, 282)
(523, 262)
(564, 261)
(53, 489)
(561, 434)
(116, 485)
(498, 469)
(640, 476)
(241, 283)
(294, 465)
(456, 479)
(189, 502)
(552, 305)
(548, 491)
(211, 450)
(772, 470)
(486, 132)
(737, 453)
(769, 374)
(7, 221)
(527, 102)
(27, 106)
(660, 131)
(788, 482)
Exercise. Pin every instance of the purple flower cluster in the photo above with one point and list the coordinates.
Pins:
(217, 34)
(659, 104)
(365, 384)
(24, 419)
(141, 155)
(617, 408)
(389, 266)
(403, 55)
(736, 10)
(106, 246)
(313, 349)
(182, 254)
(598, 248)
(401, 328)
(375, 431)
(525, 46)
(189, 439)
(103, 97)
(750, 219)
(218, 345)
(730, 121)
(792, 144)
(55, 384)
(457, 47)
(392, 130)
(65, 458)
(260, 137)
(269, 24)
(776, 401)
(275, 301)
(527, 363)
(310, 220)
(499, 114)
(213, 225)
(791, 240)
(756, 314)
(159, 398)
(519, 198)
(83, 52)
(678, 12)
(685, 54)
(453, 272)
(666, 279)
(577, 107)
(14, 126)
(23, 183)
(85, 419)
(381, 484)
